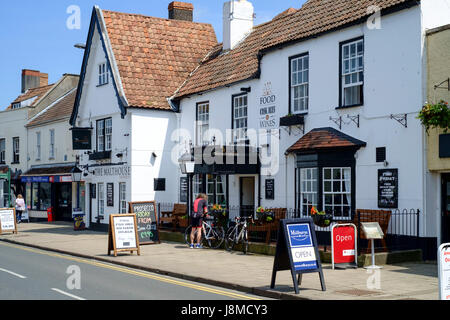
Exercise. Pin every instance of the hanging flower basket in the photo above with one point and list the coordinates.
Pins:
(435, 116)
(264, 215)
(321, 219)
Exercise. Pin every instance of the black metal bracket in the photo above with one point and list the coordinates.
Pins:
(338, 121)
(354, 119)
(439, 86)
(401, 118)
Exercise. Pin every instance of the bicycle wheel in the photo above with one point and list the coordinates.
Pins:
(230, 239)
(187, 235)
(214, 237)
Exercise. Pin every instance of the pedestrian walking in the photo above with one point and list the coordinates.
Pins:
(200, 210)
(20, 207)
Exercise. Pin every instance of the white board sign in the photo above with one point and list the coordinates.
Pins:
(372, 230)
(8, 220)
(444, 271)
(125, 232)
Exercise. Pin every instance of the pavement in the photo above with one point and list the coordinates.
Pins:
(246, 273)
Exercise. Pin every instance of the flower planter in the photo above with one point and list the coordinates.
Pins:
(322, 221)
(293, 120)
(183, 223)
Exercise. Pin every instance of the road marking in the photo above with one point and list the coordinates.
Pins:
(13, 273)
(68, 294)
(137, 273)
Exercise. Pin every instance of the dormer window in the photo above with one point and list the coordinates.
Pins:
(103, 74)
(16, 105)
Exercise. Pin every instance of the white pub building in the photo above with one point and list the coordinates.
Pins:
(320, 104)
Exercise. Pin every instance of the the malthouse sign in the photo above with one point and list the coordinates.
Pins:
(267, 108)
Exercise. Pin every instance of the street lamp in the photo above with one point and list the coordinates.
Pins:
(187, 164)
(76, 174)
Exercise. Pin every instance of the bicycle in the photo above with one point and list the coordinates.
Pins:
(235, 236)
(212, 235)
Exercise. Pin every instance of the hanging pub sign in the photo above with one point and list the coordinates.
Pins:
(8, 221)
(147, 221)
(388, 188)
(270, 189)
(123, 234)
(297, 251)
(81, 138)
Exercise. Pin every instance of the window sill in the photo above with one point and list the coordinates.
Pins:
(348, 107)
(15, 162)
(102, 85)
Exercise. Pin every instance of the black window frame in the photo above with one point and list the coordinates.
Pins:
(341, 44)
(290, 82)
(15, 160)
(104, 135)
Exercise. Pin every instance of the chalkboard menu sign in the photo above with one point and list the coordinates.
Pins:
(270, 189)
(388, 188)
(110, 194)
(147, 221)
(184, 189)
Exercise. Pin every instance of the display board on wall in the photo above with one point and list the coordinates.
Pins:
(184, 183)
(270, 189)
(147, 221)
(123, 234)
(110, 194)
(297, 251)
(8, 221)
(388, 188)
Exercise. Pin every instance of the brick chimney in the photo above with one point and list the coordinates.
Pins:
(33, 79)
(181, 11)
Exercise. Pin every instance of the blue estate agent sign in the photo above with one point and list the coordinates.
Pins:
(297, 251)
(302, 248)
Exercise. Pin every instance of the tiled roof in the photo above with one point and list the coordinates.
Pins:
(313, 18)
(325, 138)
(32, 93)
(48, 171)
(155, 56)
(59, 111)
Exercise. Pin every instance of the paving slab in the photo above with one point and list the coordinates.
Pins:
(248, 273)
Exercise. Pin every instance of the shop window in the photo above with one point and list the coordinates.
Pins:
(216, 190)
(337, 191)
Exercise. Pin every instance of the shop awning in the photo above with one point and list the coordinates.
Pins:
(325, 139)
(48, 174)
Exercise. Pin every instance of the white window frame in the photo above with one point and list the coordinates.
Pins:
(352, 70)
(38, 145)
(101, 199)
(309, 189)
(210, 184)
(108, 134)
(16, 106)
(123, 197)
(103, 74)
(331, 191)
(202, 123)
(300, 84)
(2, 151)
(240, 117)
(52, 144)
(104, 135)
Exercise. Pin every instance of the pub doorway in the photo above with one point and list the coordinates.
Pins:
(445, 214)
(247, 196)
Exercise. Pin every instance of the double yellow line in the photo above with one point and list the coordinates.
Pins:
(136, 273)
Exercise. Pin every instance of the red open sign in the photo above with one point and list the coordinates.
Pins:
(344, 251)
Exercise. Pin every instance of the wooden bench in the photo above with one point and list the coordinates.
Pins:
(269, 227)
(173, 217)
(383, 218)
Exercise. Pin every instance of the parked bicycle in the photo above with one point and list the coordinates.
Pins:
(212, 235)
(238, 234)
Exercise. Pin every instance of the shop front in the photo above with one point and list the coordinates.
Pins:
(55, 193)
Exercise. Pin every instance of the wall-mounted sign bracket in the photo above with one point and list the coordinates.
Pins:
(443, 85)
(337, 121)
(354, 119)
(401, 118)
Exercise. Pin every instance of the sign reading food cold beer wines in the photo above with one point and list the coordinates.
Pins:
(147, 221)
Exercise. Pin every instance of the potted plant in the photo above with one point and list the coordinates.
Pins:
(435, 116)
(264, 215)
(321, 219)
(183, 222)
(292, 120)
(220, 213)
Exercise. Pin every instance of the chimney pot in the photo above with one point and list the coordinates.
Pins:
(33, 79)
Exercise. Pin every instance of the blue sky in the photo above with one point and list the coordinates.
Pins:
(35, 36)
